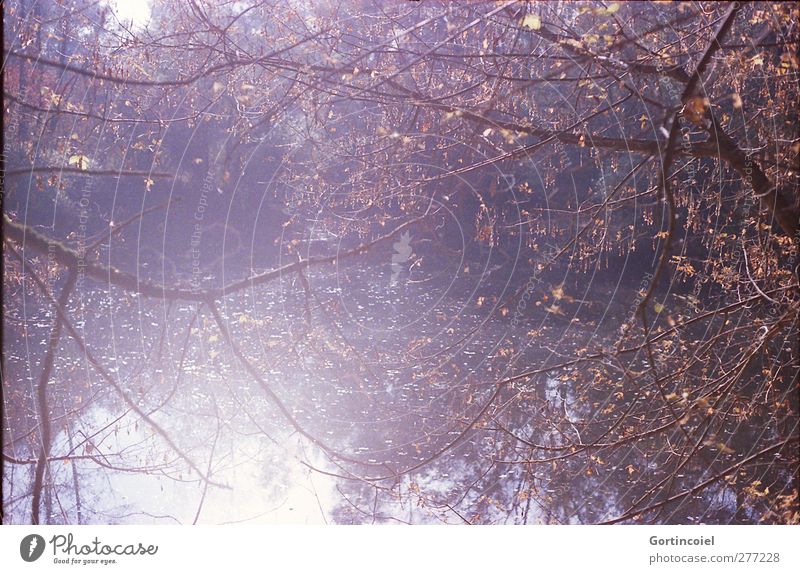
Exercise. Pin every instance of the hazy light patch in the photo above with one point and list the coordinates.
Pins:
(131, 12)
(271, 489)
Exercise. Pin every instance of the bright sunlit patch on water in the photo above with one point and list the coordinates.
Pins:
(267, 483)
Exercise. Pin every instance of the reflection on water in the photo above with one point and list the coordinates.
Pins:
(375, 402)
(346, 378)
(264, 481)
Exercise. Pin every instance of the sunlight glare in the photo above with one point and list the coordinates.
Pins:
(134, 12)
